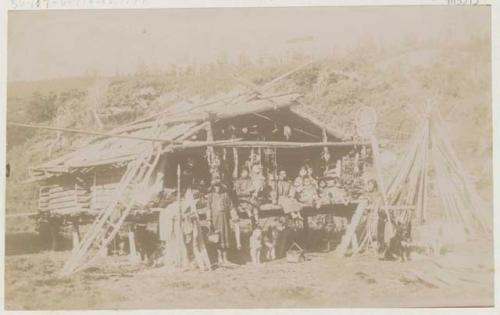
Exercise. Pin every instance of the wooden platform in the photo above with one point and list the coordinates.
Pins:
(266, 211)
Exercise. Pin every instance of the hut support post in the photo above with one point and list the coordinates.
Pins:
(210, 149)
(236, 163)
(75, 237)
(133, 251)
(325, 149)
(183, 255)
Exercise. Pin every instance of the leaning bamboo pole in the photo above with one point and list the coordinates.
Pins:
(404, 168)
(426, 172)
(465, 210)
(441, 185)
(470, 190)
(380, 180)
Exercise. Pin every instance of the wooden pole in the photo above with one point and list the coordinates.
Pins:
(133, 258)
(236, 163)
(183, 259)
(351, 228)
(325, 148)
(75, 237)
(266, 144)
(426, 171)
(95, 133)
(380, 179)
(470, 190)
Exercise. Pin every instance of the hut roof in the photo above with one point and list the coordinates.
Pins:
(170, 127)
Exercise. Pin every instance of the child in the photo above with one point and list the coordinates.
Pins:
(256, 245)
(270, 238)
(330, 236)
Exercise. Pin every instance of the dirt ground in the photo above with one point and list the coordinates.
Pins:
(463, 276)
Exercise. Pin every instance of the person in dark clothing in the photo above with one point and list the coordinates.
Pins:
(381, 221)
(221, 212)
(375, 202)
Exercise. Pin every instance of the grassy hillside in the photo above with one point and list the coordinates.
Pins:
(455, 77)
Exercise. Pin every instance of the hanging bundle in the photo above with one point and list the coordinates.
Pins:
(255, 156)
(287, 132)
(325, 155)
(214, 162)
(356, 163)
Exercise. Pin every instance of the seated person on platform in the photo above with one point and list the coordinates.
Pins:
(308, 196)
(323, 194)
(292, 204)
(302, 175)
(271, 189)
(283, 187)
(257, 190)
(243, 187)
(243, 184)
(310, 175)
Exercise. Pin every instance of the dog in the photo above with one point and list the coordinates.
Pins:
(429, 238)
(400, 243)
(158, 254)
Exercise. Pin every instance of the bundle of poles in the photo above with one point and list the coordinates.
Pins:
(407, 194)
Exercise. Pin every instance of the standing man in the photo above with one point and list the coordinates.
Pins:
(221, 211)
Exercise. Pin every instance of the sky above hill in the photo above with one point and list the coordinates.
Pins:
(63, 43)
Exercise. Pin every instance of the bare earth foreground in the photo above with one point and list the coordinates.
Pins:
(461, 277)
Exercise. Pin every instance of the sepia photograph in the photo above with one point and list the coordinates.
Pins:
(249, 158)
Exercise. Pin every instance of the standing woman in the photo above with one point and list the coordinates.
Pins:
(221, 209)
(375, 201)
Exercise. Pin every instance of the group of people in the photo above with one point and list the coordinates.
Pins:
(306, 190)
(251, 190)
(227, 199)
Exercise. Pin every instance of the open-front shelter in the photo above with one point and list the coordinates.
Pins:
(117, 173)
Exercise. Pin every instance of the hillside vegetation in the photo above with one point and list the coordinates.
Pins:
(453, 77)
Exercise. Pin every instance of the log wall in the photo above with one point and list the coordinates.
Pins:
(64, 197)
